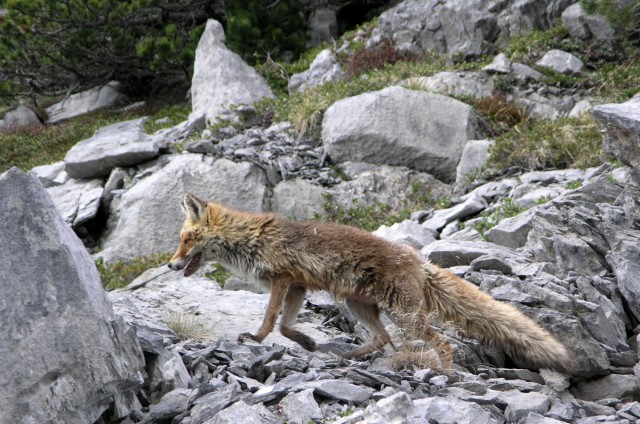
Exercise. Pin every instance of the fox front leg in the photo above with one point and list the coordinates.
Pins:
(276, 298)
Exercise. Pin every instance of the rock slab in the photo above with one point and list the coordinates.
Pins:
(66, 356)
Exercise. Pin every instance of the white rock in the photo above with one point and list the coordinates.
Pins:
(562, 62)
(106, 96)
(390, 126)
(149, 217)
(221, 78)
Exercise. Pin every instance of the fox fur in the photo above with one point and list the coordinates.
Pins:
(368, 273)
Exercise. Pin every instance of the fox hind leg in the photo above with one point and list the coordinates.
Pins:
(369, 315)
(292, 303)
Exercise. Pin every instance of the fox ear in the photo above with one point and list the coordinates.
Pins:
(194, 208)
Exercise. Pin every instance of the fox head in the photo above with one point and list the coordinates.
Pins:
(191, 252)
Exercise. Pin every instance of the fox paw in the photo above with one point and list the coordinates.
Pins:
(243, 337)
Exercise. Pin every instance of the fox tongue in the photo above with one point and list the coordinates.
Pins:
(193, 265)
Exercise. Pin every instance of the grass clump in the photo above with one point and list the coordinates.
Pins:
(187, 326)
(115, 275)
(168, 116)
(506, 209)
(499, 114)
(220, 275)
(540, 144)
(367, 217)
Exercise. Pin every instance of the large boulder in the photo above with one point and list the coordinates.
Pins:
(396, 126)
(221, 78)
(121, 144)
(621, 122)
(465, 28)
(19, 117)
(587, 26)
(66, 357)
(149, 217)
(108, 96)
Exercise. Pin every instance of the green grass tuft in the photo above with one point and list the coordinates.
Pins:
(540, 144)
(115, 275)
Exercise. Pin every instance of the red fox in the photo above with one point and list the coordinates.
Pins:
(368, 273)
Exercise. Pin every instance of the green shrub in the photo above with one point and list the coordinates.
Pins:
(118, 274)
(51, 47)
(259, 28)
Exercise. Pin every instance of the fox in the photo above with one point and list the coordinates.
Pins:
(370, 275)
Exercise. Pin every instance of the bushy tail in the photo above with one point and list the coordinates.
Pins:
(479, 315)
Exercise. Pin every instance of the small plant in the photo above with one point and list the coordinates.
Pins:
(169, 117)
(573, 185)
(506, 209)
(219, 275)
(377, 57)
(187, 326)
(115, 275)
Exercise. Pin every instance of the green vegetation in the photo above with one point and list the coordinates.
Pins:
(506, 209)
(258, 28)
(624, 15)
(220, 275)
(540, 144)
(50, 47)
(371, 217)
(614, 68)
(573, 185)
(33, 146)
(115, 275)
(367, 217)
(41, 145)
(169, 115)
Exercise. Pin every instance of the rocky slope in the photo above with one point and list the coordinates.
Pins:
(570, 259)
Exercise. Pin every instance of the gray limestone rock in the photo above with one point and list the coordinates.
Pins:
(68, 358)
(621, 123)
(19, 117)
(298, 198)
(624, 387)
(324, 68)
(150, 218)
(107, 96)
(453, 411)
(406, 232)
(388, 127)
(474, 157)
(471, 84)
(587, 26)
(77, 201)
(48, 174)
(562, 62)
(221, 78)
(300, 407)
(121, 144)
